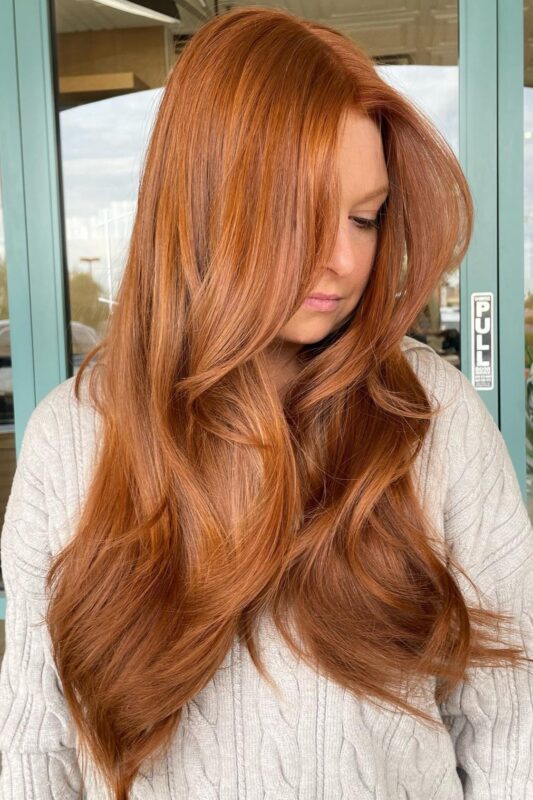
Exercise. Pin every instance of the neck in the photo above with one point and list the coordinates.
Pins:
(283, 365)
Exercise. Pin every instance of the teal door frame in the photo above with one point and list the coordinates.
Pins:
(32, 205)
(511, 231)
(478, 111)
(31, 199)
(490, 150)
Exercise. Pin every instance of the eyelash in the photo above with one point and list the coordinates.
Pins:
(367, 224)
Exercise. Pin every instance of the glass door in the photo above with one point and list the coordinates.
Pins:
(111, 65)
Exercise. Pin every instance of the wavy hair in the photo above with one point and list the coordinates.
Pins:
(214, 499)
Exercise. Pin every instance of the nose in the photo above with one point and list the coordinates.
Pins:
(342, 261)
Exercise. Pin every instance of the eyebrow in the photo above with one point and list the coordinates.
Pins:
(375, 193)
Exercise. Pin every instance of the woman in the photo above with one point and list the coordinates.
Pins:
(301, 533)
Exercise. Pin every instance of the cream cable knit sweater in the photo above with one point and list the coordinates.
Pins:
(237, 740)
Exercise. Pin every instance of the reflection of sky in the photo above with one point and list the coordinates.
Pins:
(103, 143)
(435, 92)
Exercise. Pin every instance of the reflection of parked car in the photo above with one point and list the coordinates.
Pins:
(450, 316)
(83, 339)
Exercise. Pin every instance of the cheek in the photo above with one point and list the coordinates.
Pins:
(366, 252)
(364, 264)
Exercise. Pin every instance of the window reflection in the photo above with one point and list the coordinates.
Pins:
(111, 68)
(434, 89)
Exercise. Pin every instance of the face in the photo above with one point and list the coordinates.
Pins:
(364, 188)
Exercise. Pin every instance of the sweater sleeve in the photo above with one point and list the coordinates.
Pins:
(490, 714)
(37, 739)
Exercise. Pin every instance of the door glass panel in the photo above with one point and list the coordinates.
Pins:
(111, 67)
(434, 88)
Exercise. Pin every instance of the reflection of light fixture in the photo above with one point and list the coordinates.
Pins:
(161, 10)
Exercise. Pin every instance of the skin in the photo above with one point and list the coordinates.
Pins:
(362, 167)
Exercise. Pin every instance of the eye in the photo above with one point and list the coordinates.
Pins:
(366, 224)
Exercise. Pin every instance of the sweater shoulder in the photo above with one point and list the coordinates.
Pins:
(60, 409)
(464, 429)
(62, 397)
(445, 383)
(60, 445)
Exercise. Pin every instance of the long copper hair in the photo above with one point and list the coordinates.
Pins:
(213, 499)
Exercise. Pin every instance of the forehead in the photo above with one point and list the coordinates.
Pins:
(361, 160)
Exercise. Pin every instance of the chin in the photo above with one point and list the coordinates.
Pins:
(306, 334)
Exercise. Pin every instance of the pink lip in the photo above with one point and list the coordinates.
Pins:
(321, 302)
(322, 296)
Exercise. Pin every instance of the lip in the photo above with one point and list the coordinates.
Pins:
(322, 302)
(322, 296)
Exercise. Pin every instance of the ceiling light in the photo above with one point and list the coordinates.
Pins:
(144, 9)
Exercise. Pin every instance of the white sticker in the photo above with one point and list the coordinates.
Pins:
(482, 341)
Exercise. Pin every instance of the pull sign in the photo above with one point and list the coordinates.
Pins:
(482, 341)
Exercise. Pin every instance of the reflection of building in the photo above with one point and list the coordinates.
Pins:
(108, 232)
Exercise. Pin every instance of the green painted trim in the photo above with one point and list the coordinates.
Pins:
(511, 230)
(29, 163)
(14, 208)
(478, 155)
(32, 205)
(44, 214)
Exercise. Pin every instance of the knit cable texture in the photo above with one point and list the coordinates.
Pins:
(237, 740)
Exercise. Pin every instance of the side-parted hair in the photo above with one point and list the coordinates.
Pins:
(215, 500)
